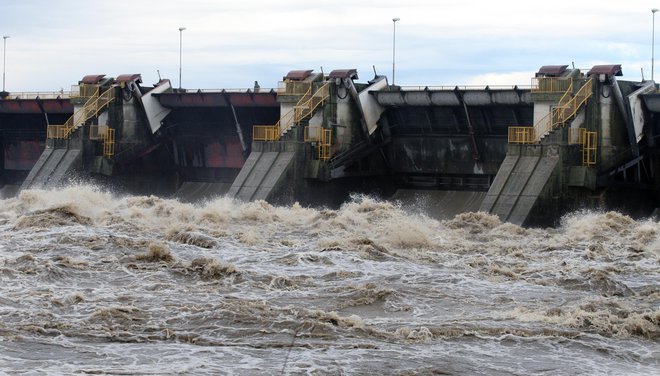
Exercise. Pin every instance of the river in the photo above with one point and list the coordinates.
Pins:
(94, 283)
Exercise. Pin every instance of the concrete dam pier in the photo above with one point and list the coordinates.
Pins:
(573, 139)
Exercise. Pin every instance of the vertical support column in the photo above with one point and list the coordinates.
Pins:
(239, 130)
(475, 150)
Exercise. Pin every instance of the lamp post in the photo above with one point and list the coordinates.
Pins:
(394, 20)
(4, 59)
(181, 29)
(653, 43)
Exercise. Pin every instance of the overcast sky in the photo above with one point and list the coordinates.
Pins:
(232, 43)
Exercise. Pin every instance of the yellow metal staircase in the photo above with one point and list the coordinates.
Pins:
(306, 107)
(303, 110)
(566, 109)
(92, 108)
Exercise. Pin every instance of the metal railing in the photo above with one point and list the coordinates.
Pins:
(64, 130)
(551, 84)
(305, 106)
(98, 105)
(40, 95)
(86, 90)
(266, 132)
(55, 132)
(297, 110)
(566, 98)
(566, 109)
(543, 127)
(570, 108)
(462, 87)
(271, 132)
(94, 105)
(233, 90)
(521, 135)
(289, 87)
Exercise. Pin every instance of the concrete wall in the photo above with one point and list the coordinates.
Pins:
(614, 147)
(286, 112)
(346, 121)
(541, 110)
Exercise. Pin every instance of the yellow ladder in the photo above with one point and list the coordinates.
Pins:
(108, 138)
(589, 147)
(325, 144)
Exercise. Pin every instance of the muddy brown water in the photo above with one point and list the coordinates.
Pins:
(91, 283)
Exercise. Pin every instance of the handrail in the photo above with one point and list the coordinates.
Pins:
(559, 112)
(265, 133)
(462, 87)
(567, 96)
(308, 106)
(290, 87)
(563, 112)
(551, 84)
(301, 109)
(543, 126)
(297, 109)
(41, 95)
(566, 108)
(581, 97)
(64, 130)
(521, 135)
(99, 104)
(234, 90)
(92, 107)
(270, 132)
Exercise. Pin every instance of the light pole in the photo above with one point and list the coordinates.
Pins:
(4, 59)
(181, 29)
(653, 43)
(394, 45)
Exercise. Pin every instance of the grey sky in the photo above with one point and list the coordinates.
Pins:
(230, 44)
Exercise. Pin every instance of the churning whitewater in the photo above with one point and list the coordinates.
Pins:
(93, 283)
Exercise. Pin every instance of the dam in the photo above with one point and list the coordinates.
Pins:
(574, 139)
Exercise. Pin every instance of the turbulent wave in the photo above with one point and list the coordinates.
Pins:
(268, 288)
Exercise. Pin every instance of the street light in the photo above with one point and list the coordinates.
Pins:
(394, 45)
(4, 59)
(181, 29)
(653, 43)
